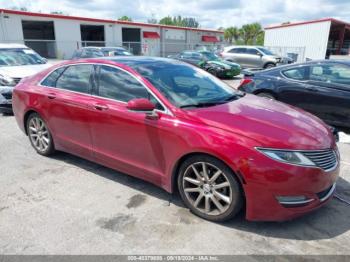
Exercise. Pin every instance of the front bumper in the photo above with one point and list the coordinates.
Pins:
(267, 190)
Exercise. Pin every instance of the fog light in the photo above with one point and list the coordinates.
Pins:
(293, 201)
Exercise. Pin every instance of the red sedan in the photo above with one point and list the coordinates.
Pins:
(184, 130)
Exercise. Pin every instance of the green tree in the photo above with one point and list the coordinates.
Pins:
(166, 21)
(250, 32)
(179, 21)
(260, 38)
(231, 34)
(125, 18)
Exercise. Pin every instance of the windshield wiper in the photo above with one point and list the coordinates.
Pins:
(203, 104)
(234, 97)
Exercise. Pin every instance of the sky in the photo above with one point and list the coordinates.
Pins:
(209, 13)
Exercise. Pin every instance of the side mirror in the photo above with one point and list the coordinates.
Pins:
(143, 105)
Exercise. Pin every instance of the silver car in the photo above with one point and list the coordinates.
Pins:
(253, 57)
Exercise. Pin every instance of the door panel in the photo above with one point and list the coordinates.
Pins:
(67, 97)
(125, 140)
(128, 141)
(69, 121)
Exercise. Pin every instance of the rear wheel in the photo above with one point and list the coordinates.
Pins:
(39, 135)
(209, 188)
(266, 95)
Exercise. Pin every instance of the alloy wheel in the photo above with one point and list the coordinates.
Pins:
(207, 188)
(39, 134)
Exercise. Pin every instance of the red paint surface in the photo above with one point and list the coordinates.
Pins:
(151, 148)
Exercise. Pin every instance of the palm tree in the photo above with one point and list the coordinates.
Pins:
(250, 32)
(231, 33)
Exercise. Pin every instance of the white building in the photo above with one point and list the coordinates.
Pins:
(57, 36)
(320, 38)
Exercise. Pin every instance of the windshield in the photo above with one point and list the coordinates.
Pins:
(210, 56)
(187, 86)
(265, 51)
(19, 57)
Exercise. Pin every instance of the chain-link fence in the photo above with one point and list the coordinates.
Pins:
(296, 53)
(150, 47)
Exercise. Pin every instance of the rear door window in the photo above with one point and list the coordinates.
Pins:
(252, 51)
(238, 50)
(77, 78)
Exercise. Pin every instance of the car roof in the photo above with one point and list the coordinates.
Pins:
(113, 47)
(12, 45)
(243, 46)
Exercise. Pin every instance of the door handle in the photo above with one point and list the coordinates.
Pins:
(100, 107)
(51, 96)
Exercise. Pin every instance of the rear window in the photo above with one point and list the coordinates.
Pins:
(296, 73)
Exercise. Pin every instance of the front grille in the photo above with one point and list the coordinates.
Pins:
(325, 159)
(7, 96)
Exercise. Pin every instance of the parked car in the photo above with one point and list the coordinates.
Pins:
(210, 62)
(181, 128)
(88, 52)
(115, 51)
(16, 62)
(254, 57)
(319, 87)
(97, 51)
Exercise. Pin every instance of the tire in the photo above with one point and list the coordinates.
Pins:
(212, 71)
(266, 95)
(201, 196)
(39, 135)
(269, 65)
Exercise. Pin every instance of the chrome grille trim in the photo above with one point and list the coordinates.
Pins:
(324, 159)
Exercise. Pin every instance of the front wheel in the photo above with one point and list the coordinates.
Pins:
(269, 65)
(39, 135)
(209, 188)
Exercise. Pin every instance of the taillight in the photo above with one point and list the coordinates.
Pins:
(245, 81)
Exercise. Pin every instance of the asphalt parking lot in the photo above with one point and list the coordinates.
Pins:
(67, 205)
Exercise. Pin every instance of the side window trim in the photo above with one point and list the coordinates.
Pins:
(66, 66)
(98, 67)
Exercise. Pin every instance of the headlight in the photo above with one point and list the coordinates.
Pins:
(6, 81)
(291, 157)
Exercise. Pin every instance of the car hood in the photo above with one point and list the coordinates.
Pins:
(270, 123)
(22, 71)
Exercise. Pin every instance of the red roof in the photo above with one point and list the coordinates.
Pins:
(209, 38)
(332, 20)
(147, 34)
(17, 12)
